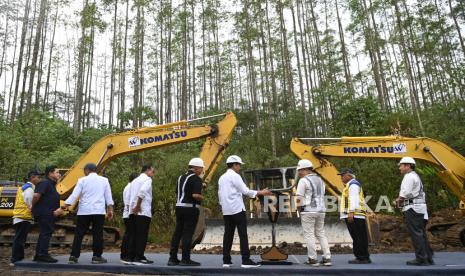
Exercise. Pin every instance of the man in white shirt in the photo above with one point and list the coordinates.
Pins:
(140, 215)
(412, 200)
(22, 216)
(231, 188)
(94, 194)
(311, 195)
(127, 231)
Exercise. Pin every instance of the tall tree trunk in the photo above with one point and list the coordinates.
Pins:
(20, 57)
(47, 82)
(113, 60)
(78, 101)
(123, 72)
(35, 51)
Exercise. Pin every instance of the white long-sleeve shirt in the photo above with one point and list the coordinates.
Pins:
(410, 188)
(126, 200)
(354, 192)
(231, 188)
(94, 194)
(141, 187)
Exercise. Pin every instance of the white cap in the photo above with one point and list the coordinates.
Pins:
(234, 159)
(407, 160)
(197, 162)
(303, 164)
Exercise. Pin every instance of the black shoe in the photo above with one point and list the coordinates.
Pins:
(143, 261)
(418, 262)
(431, 262)
(173, 262)
(126, 261)
(326, 262)
(45, 259)
(359, 261)
(312, 262)
(98, 260)
(189, 263)
(72, 260)
(227, 264)
(249, 263)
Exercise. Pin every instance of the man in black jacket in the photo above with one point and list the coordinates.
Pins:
(45, 209)
(188, 198)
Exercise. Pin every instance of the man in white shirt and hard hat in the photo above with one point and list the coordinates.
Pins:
(412, 200)
(188, 199)
(95, 201)
(311, 196)
(353, 210)
(231, 189)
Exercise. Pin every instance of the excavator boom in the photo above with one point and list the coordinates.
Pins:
(114, 145)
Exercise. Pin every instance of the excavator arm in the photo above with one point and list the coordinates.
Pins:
(110, 147)
(450, 165)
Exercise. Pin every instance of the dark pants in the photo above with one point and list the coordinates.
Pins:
(139, 226)
(21, 229)
(186, 220)
(82, 226)
(46, 226)
(238, 220)
(125, 241)
(359, 234)
(417, 230)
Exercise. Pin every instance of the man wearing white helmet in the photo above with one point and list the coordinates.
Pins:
(188, 198)
(231, 188)
(311, 195)
(412, 200)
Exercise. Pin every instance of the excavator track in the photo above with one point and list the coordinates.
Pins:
(455, 235)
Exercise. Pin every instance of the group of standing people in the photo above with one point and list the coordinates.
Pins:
(353, 210)
(39, 201)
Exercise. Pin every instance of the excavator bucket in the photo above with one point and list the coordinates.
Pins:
(288, 229)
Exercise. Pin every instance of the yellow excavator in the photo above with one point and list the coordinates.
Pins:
(217, 137)
(450, 165)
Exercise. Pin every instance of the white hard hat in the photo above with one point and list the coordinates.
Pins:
(303, 164)
(407, 160)
(197, 162)
(234, 159)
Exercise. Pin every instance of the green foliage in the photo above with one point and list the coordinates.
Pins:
(38, 139)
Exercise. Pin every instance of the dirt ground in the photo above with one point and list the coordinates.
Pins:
(393, 239)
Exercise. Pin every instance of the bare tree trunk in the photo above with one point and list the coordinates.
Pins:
(12, 69)
(35, 52)
(113, 69)
(47, 83)
(80, 80)
(123, 72)
(457, 26)
(20, 57)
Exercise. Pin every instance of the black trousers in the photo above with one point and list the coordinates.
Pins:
(238, 220)
(125, 241)
(139, 229)
(417, 230)
(46, 226)
(359, 234)
(82, 226)
(21, 231)
(186, 220)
